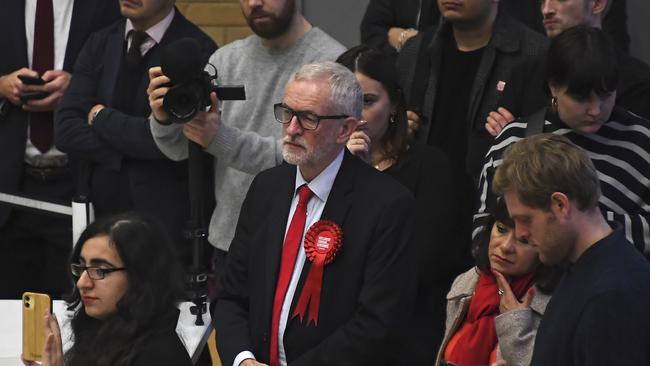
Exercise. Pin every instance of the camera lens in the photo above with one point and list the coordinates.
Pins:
(27, 298)
(183, 101)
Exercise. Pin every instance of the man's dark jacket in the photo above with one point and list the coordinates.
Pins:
(419, 68)
(119, 147)
(87, 17)
(366, 291)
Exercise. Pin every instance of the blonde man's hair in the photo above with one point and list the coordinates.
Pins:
(540, 165)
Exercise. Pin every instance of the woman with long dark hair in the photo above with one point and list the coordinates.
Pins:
(381, 140)
(125, 298)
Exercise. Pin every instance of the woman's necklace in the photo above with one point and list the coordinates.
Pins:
(384, 163)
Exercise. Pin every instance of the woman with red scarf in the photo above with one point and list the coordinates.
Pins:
(494, 309)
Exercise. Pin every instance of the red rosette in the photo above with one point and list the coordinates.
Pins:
(322, 243)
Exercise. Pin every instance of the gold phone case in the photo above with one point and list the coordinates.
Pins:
(35, 306)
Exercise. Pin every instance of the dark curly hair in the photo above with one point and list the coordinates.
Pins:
(379, 66)
(154, 287)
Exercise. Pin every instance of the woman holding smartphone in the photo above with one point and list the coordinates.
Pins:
(125, 298)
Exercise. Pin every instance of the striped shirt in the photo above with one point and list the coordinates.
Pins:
(620, 151)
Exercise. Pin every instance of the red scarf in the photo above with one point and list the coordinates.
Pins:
(478, 336)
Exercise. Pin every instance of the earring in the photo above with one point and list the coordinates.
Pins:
(554, 103)
(392, 119)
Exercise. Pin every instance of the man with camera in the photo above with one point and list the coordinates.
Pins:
(241, 134)
(40, 41)
(103, 125)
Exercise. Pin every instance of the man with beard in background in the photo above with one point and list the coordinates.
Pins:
(243, 136)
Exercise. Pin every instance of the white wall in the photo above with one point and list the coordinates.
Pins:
(339, 18)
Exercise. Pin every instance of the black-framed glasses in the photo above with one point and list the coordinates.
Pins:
(307, 120)
(95, 273)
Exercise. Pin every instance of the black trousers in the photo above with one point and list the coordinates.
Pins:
(35, 246)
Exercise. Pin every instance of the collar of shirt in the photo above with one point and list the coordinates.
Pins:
(155, 32)
(322, 184)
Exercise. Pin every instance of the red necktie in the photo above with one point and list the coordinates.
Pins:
(40, 124)
(289, 253)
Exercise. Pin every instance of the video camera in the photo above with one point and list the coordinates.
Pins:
(190, 85)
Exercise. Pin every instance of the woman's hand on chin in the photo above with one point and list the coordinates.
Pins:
(508, 299)
(359, 145)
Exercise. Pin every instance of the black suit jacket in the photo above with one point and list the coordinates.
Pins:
(87, 17)
(119, 147)
(366, 290)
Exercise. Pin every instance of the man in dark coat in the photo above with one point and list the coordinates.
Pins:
(598, 314)
(102, 121)
(38, 40)
(453, 78)
(329, 204)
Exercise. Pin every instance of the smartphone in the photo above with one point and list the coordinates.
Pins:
(35, 306)
(25, 97)
(30, 80)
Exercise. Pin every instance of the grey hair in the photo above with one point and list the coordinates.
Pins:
(345, 92)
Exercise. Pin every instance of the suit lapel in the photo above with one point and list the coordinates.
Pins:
(278, 218)
(16, 8)
(81, 15)
(503, 41)
(113, 59)
(336, 209)
(428, 105)
(478, 87)
(340, 198)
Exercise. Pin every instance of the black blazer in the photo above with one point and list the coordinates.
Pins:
(366, 289)
(87, 17)
(119, 147)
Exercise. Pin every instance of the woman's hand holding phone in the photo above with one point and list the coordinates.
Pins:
(53, 348)
(53, 351)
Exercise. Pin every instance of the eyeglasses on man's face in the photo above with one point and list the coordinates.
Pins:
(95, 273)
(307, 120)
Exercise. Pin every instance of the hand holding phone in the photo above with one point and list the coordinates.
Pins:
(26, 97)
(31, 80)
(32, 95)
(35, 307)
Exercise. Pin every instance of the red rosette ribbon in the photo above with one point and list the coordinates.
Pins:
(322, 244)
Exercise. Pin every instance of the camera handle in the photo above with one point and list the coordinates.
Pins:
(196, 232)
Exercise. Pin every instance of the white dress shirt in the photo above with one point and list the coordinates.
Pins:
(321, 186)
